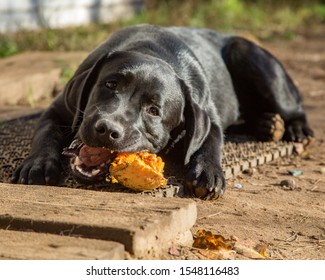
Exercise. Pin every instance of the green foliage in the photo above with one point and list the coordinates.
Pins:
(319, 11)
(263, 18)
(66, 75)
(8, 47)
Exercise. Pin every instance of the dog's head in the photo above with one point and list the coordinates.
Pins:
(130, 102)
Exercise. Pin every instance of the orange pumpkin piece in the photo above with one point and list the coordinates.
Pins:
(138, 171)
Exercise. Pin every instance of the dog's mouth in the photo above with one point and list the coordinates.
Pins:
(89, 163)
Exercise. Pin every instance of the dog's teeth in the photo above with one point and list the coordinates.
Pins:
(78, 161)
(82, 171)
(95, 172)
(75, 144)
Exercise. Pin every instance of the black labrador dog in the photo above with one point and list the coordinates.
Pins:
(147, 88)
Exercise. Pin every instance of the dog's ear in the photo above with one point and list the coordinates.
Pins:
(77, 90)
(197, 124)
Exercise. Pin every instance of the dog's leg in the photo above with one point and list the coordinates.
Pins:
(43, 165)
(267, 127)
(263, 86)
(204, 176)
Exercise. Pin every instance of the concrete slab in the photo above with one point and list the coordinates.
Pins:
(32, 78)
(41, 246)
(144, 224)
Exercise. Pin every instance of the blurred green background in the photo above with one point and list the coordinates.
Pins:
(264, 19)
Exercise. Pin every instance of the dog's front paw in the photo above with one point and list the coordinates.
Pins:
(39, 170)
(205, 179)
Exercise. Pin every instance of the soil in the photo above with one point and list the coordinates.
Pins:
(289, 220)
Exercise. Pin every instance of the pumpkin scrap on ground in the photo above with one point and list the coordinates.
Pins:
(138, 171)
(206, 240)
(216, 247)
(213, 246)
(261, 249)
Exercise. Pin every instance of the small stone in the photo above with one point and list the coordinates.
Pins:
(234, 238)
(295, 172)
(322, 170)
(250, 171)
(289, 184)
(174, 251)
(299, 148)
(238, 186)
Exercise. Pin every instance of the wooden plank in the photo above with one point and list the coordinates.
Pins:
(144, 224)
(42, 246)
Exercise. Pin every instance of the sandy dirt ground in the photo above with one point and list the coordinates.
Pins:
(289, 221)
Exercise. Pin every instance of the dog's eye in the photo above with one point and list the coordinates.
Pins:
(153, 111)
(111, 84)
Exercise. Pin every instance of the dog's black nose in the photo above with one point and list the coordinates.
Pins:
(109, 130)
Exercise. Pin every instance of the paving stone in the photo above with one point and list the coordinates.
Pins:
(143, 224)
(42, 246)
